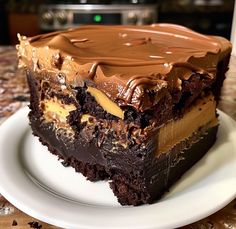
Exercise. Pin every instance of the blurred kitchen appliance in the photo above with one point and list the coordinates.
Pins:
(61, 16)
(205, 16)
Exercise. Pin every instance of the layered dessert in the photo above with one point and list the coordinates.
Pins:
(135, 105)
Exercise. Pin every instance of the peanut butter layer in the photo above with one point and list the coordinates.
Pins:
(107, 104)
(125, 61)
(200, 115)
(55, 111)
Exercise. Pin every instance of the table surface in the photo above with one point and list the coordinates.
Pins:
(14, 95)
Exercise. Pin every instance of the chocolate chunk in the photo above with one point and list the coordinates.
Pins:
(35, 225)
(65, 163)
(14, 223)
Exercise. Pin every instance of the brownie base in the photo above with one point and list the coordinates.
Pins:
(158, 173)
(174, 163)
(60, 144)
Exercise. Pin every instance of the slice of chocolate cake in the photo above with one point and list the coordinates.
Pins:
(136, 105)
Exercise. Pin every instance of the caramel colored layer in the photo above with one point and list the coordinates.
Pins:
(125, 61)
(107, 104)
(54, 110)
(200, 115)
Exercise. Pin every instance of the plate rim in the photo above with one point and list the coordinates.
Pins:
(54, 221)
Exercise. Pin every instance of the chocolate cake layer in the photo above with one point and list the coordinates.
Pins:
(136, 105)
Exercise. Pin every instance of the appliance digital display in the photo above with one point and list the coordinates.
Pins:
(91, 18)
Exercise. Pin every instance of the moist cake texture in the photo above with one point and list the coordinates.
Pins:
(132, 104)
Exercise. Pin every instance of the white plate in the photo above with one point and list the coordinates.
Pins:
(34, 181)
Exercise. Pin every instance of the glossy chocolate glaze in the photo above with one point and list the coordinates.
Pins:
(126, 61)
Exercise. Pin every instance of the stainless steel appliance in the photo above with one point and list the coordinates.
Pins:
(62, 16)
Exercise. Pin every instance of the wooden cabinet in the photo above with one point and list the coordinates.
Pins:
(23, 23)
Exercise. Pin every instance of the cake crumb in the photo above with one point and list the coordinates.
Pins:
(14, 223)
(65, 163)
(35, 225)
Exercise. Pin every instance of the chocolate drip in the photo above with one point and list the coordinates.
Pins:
(135, 81)
(193, 68)
(92, 71)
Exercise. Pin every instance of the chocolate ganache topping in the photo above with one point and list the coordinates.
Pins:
(125, 61)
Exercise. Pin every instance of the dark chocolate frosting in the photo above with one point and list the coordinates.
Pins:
(125, 61)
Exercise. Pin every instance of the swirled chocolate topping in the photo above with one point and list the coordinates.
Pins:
(125, 61)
